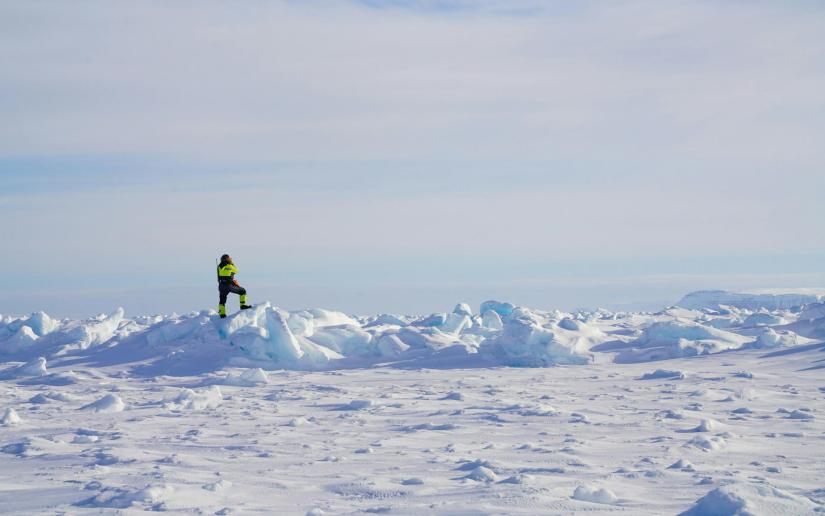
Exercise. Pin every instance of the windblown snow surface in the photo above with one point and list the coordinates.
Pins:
(705, 409)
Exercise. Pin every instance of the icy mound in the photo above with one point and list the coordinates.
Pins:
(502, 309)
(813, 329)
(812, 311)
(499, 333)
(595, 495)
(526, 340)
(721, 322)
(298, 340)
(770, 338)
(386, 319)
(768, 299)
(36, 367)
(10, 418)
(305, 322)
(264, 334)
(663, 374)
(680, 338)
(33, 368)
(40, 332)
(117, 498)
(39, 323)
(763, 319)
(108, 403)
(749, 500)
(269, 337)
(249, 378)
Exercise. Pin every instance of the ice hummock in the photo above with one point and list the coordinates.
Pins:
(680, 338)
(270, 337)
(528, 340)
(498, 333)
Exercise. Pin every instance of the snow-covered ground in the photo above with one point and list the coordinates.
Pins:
(712, 409)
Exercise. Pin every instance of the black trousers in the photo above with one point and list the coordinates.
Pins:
(224, 288)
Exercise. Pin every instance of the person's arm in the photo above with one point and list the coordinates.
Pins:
(234, 271)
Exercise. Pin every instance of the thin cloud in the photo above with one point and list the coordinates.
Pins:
(412, 133)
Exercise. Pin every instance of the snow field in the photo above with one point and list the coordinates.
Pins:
(318, 412)
(517, 441)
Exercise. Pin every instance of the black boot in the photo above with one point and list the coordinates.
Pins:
(244, 307)
(223, 316)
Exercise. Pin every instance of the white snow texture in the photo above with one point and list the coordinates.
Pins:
(711, 407)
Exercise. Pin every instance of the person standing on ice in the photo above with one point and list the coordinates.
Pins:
(227, 283)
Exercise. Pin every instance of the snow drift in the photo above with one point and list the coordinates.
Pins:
(740, 499)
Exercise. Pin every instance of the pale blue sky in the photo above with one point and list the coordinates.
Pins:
(406, 155)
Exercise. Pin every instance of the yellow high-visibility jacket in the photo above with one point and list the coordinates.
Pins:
(227, 273)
